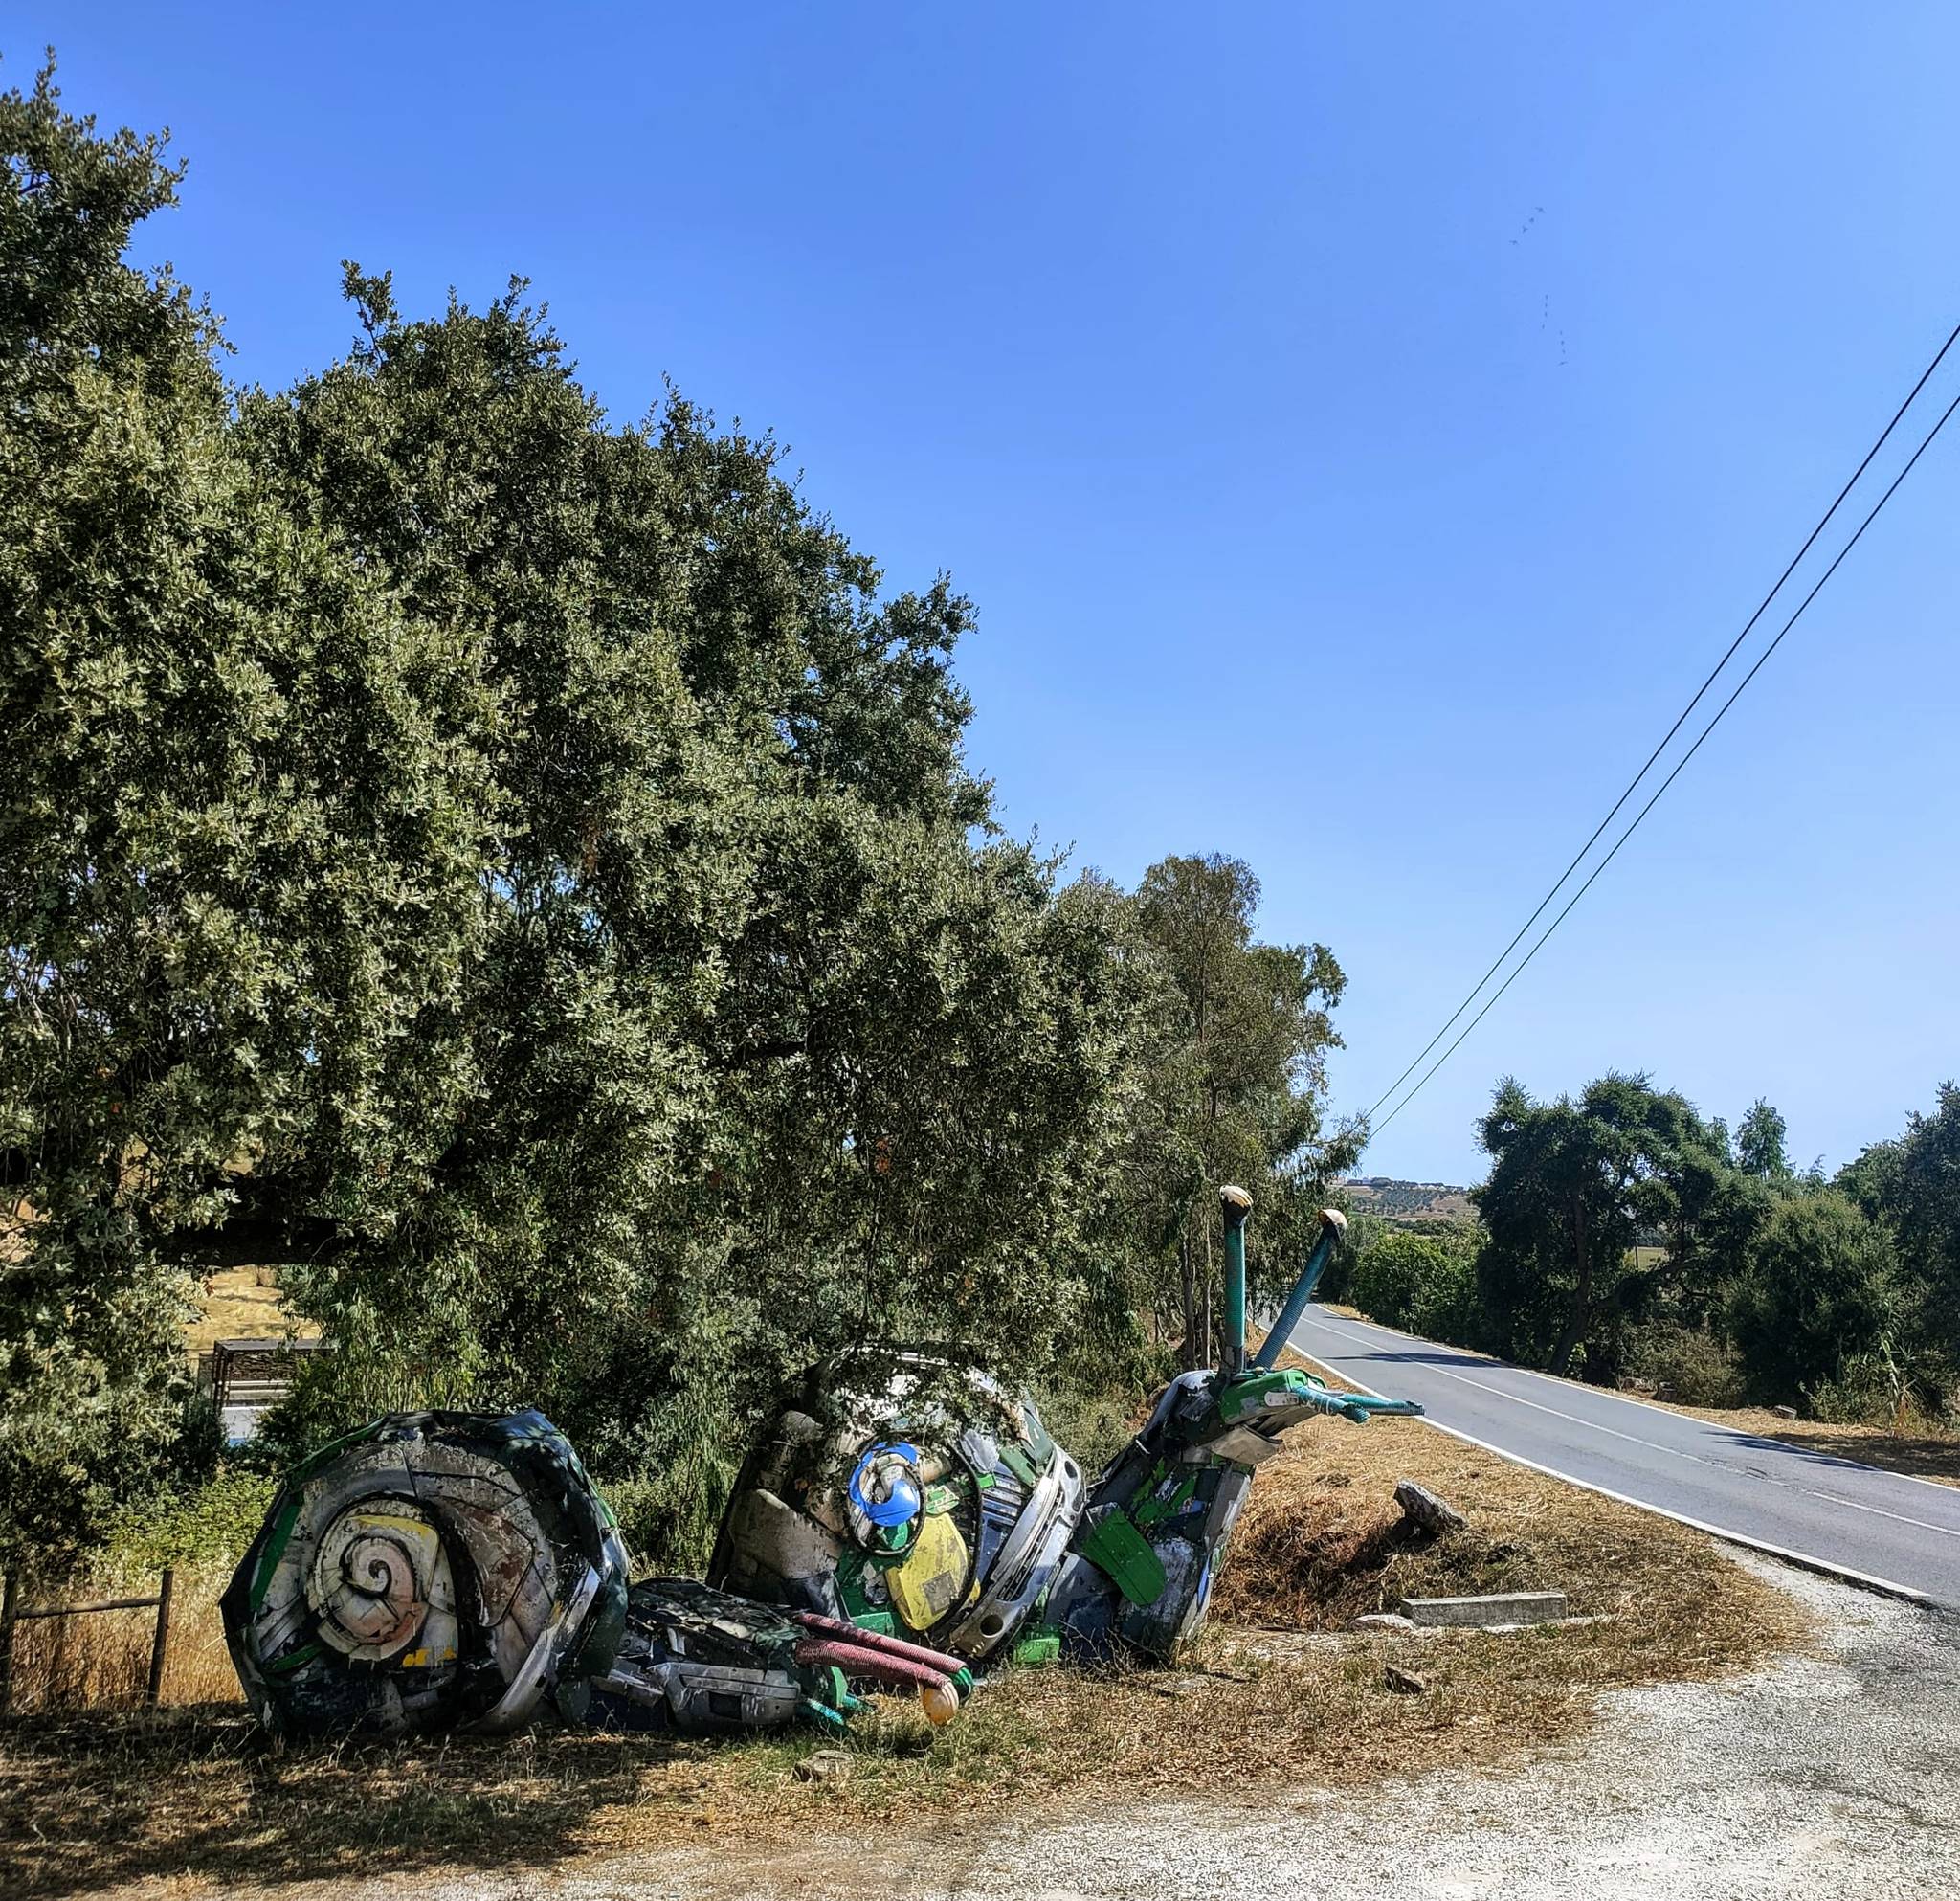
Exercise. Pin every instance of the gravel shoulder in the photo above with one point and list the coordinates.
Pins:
(1832, 1772)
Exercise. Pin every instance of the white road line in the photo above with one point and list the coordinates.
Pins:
(1717, 1464)
(1828, 1567)
(1878, 1512)
(1612, 1432)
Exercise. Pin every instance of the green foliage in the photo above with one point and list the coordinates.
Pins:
(518, 874)
(1392, 1273)
(1227, 1084)
(1422, 1280)
(1573, 1186)
(116, 529)
(1905, 1390)
(1759, 1144)
(1693, 1366)
(1818, 1292)
(1095, 1426)
(1913, 1186)
(207, 1525)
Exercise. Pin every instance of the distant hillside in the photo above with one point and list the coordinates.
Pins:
(1409, 1200)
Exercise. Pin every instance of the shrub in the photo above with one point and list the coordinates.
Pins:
(207, 1525)
(1907, 1392)
(1447, 1308)
(1697, 1369)
(1390, 1275)
(1818, 1293)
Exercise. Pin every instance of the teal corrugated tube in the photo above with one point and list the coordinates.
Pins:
(1332, 1222)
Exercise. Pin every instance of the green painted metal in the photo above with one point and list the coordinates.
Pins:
(1117, 1550)
(1167, 1506)
(1020, 1464)
(276, 1547)
(1043, 1650)
(1261, 1391)
(294, 1660)
(317, 1462)
(1274, 1342)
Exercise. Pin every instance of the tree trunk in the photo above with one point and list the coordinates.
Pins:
(1582, 1296)
(1187, 1273)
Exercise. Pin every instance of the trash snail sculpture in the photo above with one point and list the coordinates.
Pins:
(446, 1569)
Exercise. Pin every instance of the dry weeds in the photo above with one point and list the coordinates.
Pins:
(66, 1665)
(1266, 1699)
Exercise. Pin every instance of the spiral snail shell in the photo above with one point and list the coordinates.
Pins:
(430, 1571)
(377, 1575)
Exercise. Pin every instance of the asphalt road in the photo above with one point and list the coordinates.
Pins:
(1882, 1528)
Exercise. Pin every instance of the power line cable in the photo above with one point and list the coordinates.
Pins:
(1682, 720)
(1673, 776)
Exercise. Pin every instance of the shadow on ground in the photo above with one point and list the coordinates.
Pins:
(1927, 1458)
(88, 1801)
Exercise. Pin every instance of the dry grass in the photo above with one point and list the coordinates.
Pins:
(1264, 1701)
(1323, 1542)
(1923, 1448)
(62, 1665)
(242, 1304)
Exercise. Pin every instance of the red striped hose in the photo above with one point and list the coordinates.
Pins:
(871, 1640)
(857, 1660)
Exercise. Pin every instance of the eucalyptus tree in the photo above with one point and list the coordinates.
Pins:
(1233, 1062)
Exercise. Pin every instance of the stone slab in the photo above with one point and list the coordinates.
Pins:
(1507, 1607)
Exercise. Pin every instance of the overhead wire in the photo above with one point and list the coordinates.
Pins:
(1635, 826)
(1681, 720)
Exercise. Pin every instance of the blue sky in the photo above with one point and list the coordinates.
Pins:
(1359, 427)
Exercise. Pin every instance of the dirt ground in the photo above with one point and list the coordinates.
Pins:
(1835, 1771)
(242, 1304)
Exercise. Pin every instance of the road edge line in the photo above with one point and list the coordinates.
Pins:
(1865, 1581)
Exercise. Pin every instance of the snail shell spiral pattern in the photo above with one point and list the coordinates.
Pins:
(376, 1577)
(432, 1571)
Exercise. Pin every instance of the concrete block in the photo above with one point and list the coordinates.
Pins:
(1506, 1607)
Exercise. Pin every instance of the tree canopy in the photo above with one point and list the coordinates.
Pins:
(1230, 1087)
(1819, 1293)
(519, 874)
(1573, 1187)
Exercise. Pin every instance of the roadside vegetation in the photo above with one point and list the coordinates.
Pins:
(1624, 1238)
(513, 880)
(505, 890)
